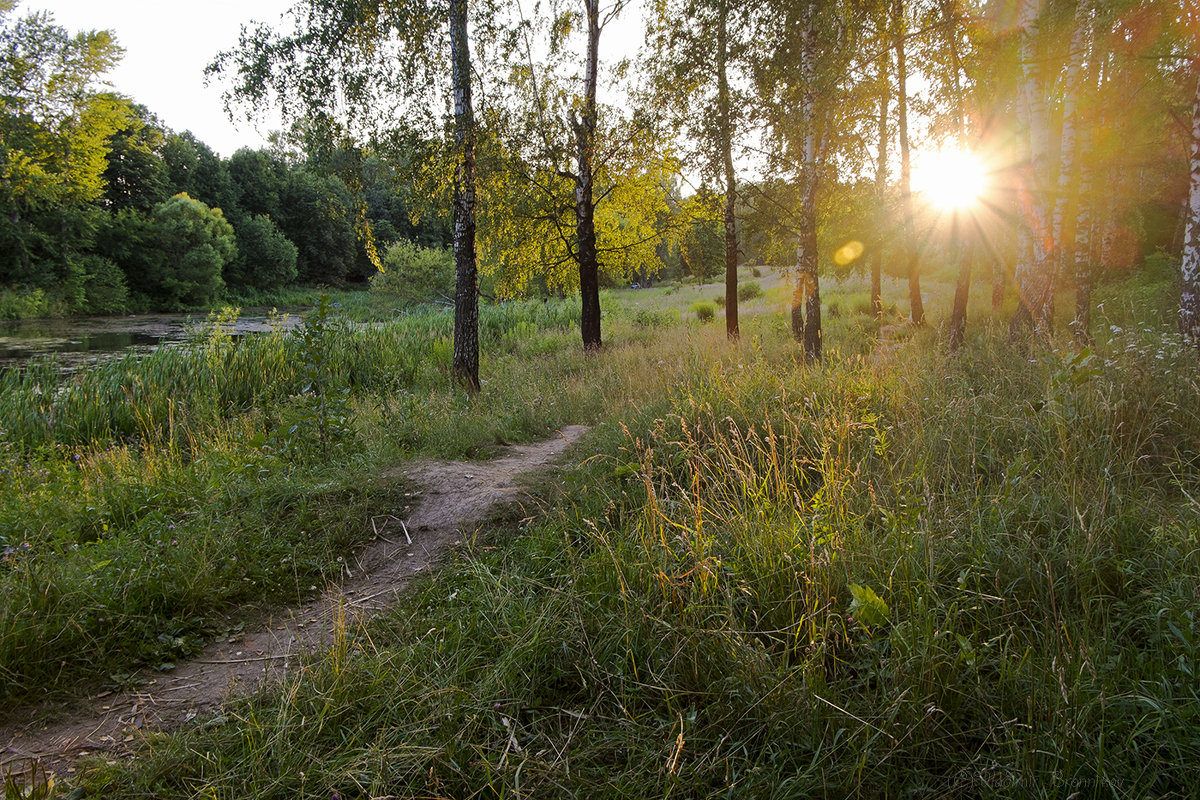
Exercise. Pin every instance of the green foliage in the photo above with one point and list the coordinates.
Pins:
(175, 256)
(22, 303)
(266, 259)
(135, 175)
(195, 243)
(748, 291)
(415, 274)
(193, 168)
(315, 214)
(103, 286)
(704, 311)
(521, 223)
(701, 236)
(320, 421)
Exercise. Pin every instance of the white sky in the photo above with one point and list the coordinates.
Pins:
(168, 43)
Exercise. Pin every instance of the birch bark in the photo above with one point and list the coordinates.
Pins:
(1035, 263)
(466, 293)
(807, 278)
(916, 304)
(725, 121)
(584, 128)
(1189, 295)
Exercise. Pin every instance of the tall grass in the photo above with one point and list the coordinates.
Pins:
(145, 497)
(903, 574)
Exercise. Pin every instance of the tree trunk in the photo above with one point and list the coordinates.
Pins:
(806, 251)
(881, 175)
(585, 205)
(1035, 263)
(959, 249)
(962, 287)
(1189, 296)
(725, 120)
(916, 305)
(1068, 150)
(466, 296)
(998, 280)
(1082, 251)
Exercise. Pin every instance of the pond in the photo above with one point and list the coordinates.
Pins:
(93, 338)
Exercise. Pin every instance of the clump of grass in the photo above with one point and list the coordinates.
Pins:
(748, 291)
(704, 311)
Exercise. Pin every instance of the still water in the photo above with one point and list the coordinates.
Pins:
(90, 338)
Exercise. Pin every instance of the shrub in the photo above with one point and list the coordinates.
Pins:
(749, 290)
(654, 318)
(719, 300)
(266, 258)
(704, 311)
(756, 272)
(105, 291)
(19, 303)
(415, 274)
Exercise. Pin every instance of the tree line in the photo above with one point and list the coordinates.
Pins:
(797, 123)
(107, 210)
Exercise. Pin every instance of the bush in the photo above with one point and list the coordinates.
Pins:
(266, 258)
(653, 318)
(756, 272)
(19, 303)
(415, 274)
(749, 290)
(105, 291)
(719, 300)
(704, 311)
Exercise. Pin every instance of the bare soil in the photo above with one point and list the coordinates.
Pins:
(453, 497)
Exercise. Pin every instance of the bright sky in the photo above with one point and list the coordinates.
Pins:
(167, 45)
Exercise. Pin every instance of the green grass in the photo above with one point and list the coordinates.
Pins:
(894, 574)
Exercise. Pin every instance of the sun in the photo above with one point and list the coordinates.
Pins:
(950, 179)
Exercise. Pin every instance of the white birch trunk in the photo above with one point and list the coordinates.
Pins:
(1034, 272)
(807, 280)
(1189, 296)
(1068, 158)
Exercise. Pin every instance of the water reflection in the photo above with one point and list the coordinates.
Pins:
(87, 338)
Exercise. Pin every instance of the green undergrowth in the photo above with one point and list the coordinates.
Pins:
(908, 574)
(148, 500)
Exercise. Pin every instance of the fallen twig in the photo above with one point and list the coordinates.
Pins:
(241, 660)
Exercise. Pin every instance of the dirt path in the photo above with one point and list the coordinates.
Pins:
(453, 495)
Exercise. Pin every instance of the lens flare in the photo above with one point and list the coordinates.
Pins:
(848, 253)
(951, 180)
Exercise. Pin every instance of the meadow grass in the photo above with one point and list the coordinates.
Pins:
(892, 573)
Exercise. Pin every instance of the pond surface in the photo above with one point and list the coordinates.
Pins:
(90, 338)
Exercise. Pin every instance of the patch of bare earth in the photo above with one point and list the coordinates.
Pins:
(452, 497)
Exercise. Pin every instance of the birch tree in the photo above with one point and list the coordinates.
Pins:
(353, 67)
(699, 46)
(802, 82)
(1035, 237)
(899, 23)
(1189, 294)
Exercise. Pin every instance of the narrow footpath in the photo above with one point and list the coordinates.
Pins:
(452, 497)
